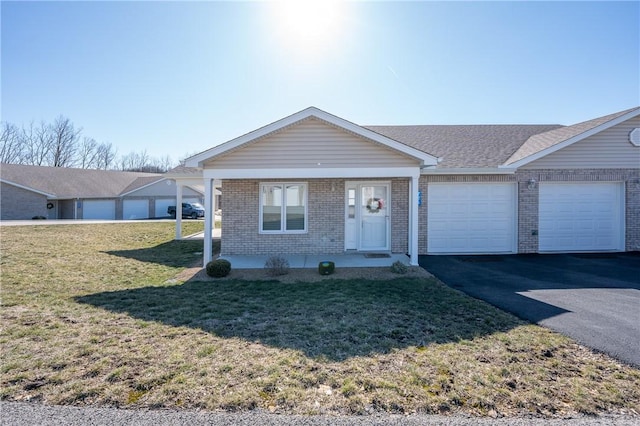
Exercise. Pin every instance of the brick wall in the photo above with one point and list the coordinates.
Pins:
(19, 204)
(326, 213)
(399, 215)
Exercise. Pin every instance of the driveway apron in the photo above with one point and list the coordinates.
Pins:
(593, 298)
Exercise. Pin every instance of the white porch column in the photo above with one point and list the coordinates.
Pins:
(413, 219)
(208, 220)
(178, 210)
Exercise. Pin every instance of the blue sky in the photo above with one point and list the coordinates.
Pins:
(180, 77)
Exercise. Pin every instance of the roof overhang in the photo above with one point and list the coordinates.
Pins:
(17, 185)
(572, 140)
(198, 160)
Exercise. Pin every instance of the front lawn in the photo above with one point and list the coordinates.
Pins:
(93, 314)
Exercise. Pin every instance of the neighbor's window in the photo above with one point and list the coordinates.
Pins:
(283, 207)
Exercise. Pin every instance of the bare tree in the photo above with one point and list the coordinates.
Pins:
(106, 156)
(87, 153)
(11, 150)
(65, 142)
(37, 143)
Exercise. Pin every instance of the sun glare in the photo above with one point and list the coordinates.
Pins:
(309, 25)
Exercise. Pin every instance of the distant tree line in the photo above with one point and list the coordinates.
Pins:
(61, 144)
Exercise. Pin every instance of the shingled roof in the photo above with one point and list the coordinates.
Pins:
(483, 146)
(62, 182)
(465, 146)
(542, 141)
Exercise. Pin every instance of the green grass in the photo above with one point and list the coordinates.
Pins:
(94, 315)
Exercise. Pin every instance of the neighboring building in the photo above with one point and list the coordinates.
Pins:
(314, 183)
(66, 193)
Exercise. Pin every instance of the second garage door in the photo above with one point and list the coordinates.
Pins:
(581, 217)
(99, 209)
(135, 209)
(471, 218)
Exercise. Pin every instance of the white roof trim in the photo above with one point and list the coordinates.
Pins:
(571, 141)
(8, 182)
(142, 187)
(371, 173)
(470, 171)
(198, 159)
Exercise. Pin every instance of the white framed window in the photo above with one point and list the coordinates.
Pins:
(283, 208)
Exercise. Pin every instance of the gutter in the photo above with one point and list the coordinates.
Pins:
(469, 171)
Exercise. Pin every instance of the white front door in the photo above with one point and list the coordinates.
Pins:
(374, 217)
(367, 216)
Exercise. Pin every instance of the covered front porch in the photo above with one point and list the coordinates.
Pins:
(311, 185)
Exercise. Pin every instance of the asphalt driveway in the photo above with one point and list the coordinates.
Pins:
(593, 298)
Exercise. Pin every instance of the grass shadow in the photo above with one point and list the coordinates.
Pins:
(175, 253)
(333, 320)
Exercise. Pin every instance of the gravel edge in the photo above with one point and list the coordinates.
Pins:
(21, 413)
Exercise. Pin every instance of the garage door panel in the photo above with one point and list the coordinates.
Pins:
(135, 209)
(99, 209)
(471, 218)
(580, 217)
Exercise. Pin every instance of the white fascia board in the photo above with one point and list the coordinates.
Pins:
(17, 185)
(198, 159)
(328, 172)
(142, 187)
(571, 141)
(470, 171)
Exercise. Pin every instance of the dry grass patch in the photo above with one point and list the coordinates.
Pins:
(93, 315)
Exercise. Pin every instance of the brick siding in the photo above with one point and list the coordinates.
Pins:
(326, 215)
(20, 204)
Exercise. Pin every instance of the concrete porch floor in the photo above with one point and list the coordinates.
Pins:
(342, 260)
(346, 260)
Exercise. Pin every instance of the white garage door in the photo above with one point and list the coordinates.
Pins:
(135, 209)
(99, 209)
(471, 218)
(162, 206)
(580, 217)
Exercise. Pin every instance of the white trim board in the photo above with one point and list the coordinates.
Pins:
(337, 172)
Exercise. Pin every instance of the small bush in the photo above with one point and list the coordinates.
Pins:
(399, 268)
(276, 266)
(38, 218)
(326, 268)
(218, 268)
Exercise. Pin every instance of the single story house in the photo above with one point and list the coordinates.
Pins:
(67, 193)
(315, 183)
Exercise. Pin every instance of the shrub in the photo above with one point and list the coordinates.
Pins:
(326, 268)
(276, 265)
(38, 218)
(399, 268)
(218, 268)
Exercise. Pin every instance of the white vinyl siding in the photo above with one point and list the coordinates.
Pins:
(608, 149)
(99, 209)
(283, 208)
(135, 209)
(471, 218)
(578, 217)
(311, 144)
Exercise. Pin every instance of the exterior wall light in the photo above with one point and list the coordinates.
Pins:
(531, 183)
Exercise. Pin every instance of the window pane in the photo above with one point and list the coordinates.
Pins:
(295, 202)
(271, 208)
